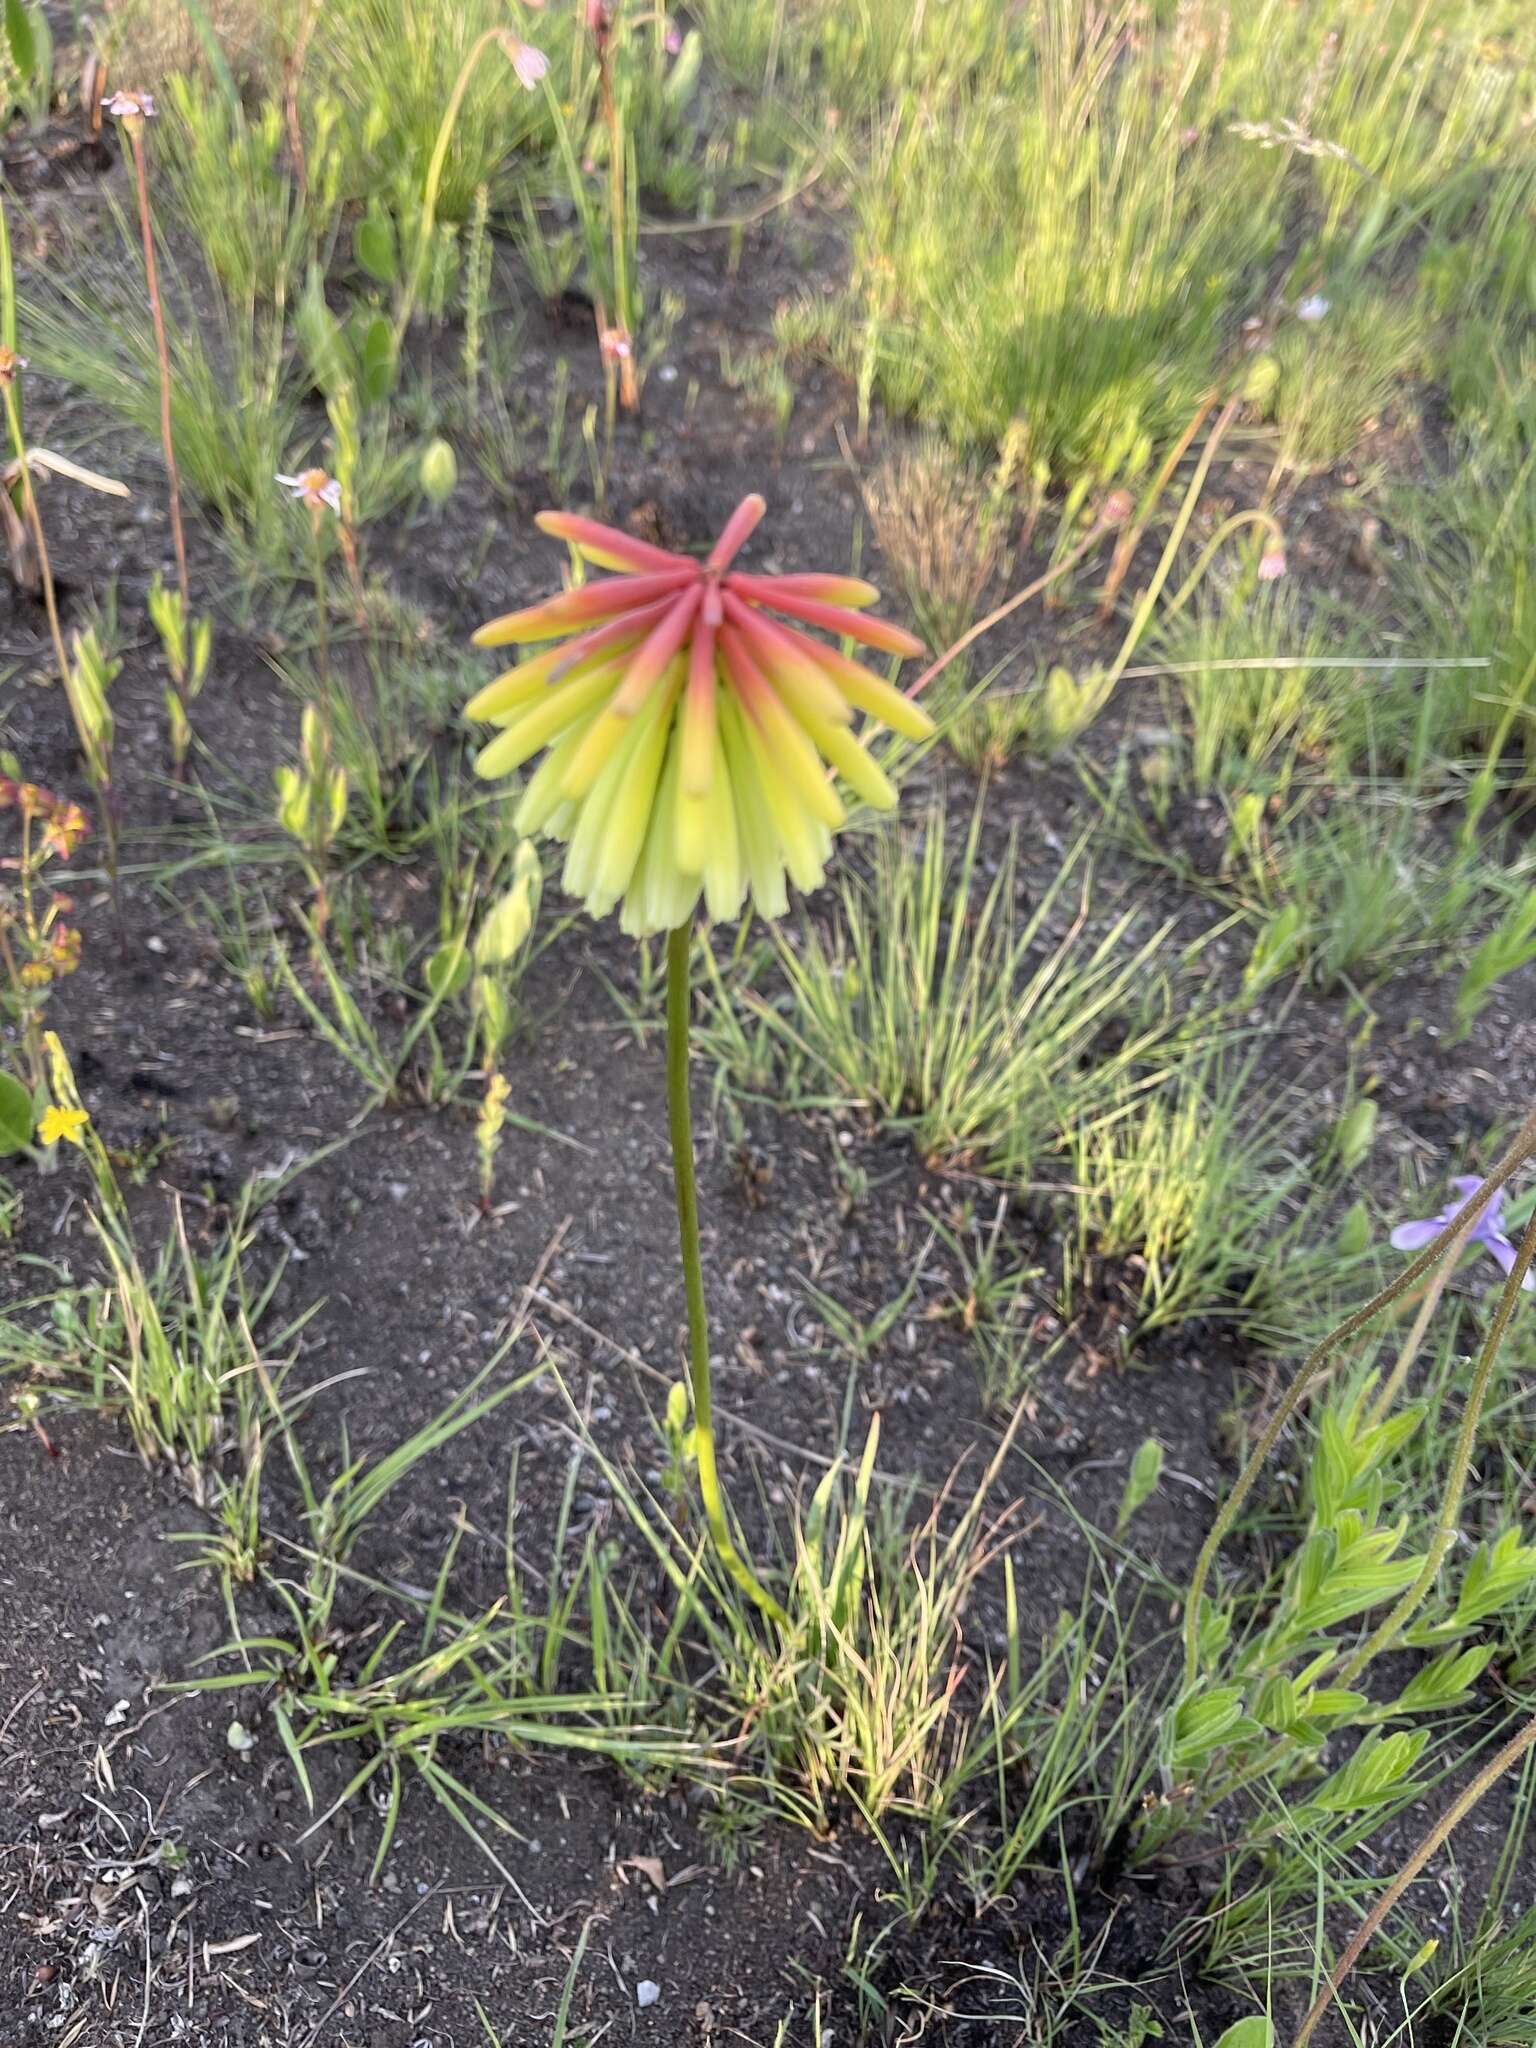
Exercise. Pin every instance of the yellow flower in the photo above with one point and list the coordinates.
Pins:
(68, 1124)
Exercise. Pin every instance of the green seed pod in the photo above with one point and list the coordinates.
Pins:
(439, 471)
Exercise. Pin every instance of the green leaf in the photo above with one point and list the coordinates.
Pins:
(15, 1115)
(1141, 1480)
(1444, 1682)
(1257, 2032)
(448, 969)
(376, 357)
(374, 244)
(21, 35)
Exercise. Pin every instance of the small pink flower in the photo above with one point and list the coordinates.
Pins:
(1117, 508)
(673, 39)
(1272, 564)
(530, 64)
(314, 489)
(130, 106)
(613, 344)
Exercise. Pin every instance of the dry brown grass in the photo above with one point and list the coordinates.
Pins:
(939, 528)
(148, 41)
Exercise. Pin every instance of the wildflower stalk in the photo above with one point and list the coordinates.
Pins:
(1521, 1149)
(135, 128)
(1130, 540)
(8, 373)
(1447, 1528)
(1223, 533)
(530, 66)
(322, 623)
(1439, 1834)
(680, 1119)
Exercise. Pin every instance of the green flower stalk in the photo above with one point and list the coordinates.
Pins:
(694, 735)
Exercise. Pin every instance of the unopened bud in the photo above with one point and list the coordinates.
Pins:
(439, 471)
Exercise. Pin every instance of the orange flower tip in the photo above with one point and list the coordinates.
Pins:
(736, 529)
(607, 546)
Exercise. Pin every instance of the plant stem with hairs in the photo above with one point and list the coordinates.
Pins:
(1393, 1385)
(680, 1119)
(1438, 1835)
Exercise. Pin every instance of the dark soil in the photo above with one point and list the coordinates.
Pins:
(253, 1929)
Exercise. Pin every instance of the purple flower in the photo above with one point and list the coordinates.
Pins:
(1487, 1231)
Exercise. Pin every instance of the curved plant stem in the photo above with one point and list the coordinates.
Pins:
(680, 1119)
(1451, 1819)
(434, 178)
(1521, 1148)
(1446, 1530)
(1223, 533)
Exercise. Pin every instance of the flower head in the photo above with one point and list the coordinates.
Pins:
(1272, 564)
(690, 739)
(66, 826)
(314, 489)
(130, 106)
(1314, 308)
(528, 64)
(56, 1123)
(1487, 1231)
(11, 365)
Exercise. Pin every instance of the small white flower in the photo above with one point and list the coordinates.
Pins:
(529, 64)
(1314, 308)
(130, 106)
(312, 487)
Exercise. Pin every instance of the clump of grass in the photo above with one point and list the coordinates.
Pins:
(1256, 669)
(1365, 895)
(1056, 246)
(1337, 377)
(931, 1005)
(941, 528)
(1186, 1187)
